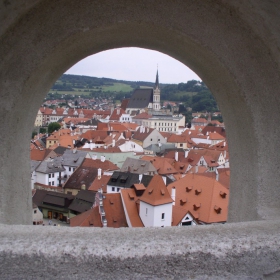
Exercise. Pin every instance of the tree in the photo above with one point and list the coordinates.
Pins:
(53, 126)
(42, 130)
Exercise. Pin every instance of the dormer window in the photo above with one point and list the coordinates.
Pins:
(131, 196)
(223, 194)
(197, 191)
(188, 189)
(217, 209)
(196, 206)
(183, 201)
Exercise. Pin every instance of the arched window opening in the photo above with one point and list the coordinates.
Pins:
(97, 123)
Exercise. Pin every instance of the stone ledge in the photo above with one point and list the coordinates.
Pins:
(233, 251)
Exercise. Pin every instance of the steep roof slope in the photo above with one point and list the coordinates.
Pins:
(141, 98)
(130, 201)
(204, 197)
(156, 193)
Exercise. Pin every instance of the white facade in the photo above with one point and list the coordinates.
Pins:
(37, 216)
(164, 124)
(156, 216)
(187, 221)
(204, 140)
(130, 146)
(125, 118)
(69, 170)
(113, 189)
(50, 179)
(39, 119)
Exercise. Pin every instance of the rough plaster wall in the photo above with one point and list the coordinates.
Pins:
(238, 62)
(233, 251)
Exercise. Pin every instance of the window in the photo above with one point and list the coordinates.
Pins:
(35, 211)
(162, 216)
(146, 211)
(113, 189)
(118, 189)
(53, 183)
(53, 175)
(50, 175)
(69, 168)
(151, 139)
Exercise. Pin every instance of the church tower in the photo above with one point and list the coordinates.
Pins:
(156, 95)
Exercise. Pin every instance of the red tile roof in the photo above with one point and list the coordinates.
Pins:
(117, 113)
(87, 219)
(131, 204)
(203, 196)
(114, 211)
(162, 165)
(100, 183)
(156, 192)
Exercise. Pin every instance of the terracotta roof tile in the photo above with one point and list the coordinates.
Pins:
(100, 183)
(130, 199)
(162, 165)
(202, 195)
(87, 219)
(114, 211)
(156, 193)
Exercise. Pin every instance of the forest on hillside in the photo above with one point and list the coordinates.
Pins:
(192, 94)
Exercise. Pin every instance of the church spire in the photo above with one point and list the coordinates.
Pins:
(157, 81)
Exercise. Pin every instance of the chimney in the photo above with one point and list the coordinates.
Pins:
(102, 158)
(140, 178)
(99, 173)
(113, 143)
(176, 156)
(94, 157)
(173, 195)
(196, 168)
(186, 153)
(217, 175)
(164, 179)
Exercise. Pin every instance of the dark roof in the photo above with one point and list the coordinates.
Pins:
(141, 98)
(44, 198)
(82, 176)
(50, 166)
(83, 201)
(88, 196)
(60, 150)
(73, 158)
(127, 179)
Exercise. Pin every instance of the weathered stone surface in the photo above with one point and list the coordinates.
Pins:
(232, 45)
(233, 251)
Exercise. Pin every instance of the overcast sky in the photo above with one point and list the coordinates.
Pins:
(134, 64)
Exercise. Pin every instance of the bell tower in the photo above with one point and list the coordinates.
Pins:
(156, 95)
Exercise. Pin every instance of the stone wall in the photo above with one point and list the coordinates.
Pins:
(232, 45)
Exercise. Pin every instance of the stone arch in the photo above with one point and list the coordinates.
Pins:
(228, 48)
